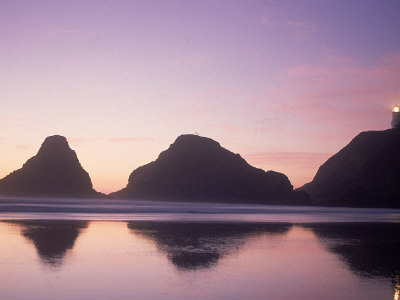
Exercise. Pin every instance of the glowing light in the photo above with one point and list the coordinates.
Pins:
(396, 295)
(396, 108)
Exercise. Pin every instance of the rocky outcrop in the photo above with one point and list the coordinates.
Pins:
(196, 168)
(54, 171)
(365, 173)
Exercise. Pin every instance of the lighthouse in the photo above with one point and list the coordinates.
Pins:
(396, 116)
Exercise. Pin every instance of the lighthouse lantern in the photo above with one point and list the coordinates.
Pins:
(396, 116)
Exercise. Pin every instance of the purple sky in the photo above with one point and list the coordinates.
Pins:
(284, 83)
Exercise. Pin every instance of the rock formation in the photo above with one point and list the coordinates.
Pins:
(196, 168)
(365, 173)
(54, 171)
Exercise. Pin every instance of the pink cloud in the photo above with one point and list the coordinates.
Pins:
(327, 103)
(331, 86)
(393, 57)
(345, 68)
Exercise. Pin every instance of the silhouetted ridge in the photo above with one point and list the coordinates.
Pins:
(364, 173)
(54, 171)
(198, 168)
(192, 141)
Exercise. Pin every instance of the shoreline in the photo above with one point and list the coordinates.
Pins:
(137, 210)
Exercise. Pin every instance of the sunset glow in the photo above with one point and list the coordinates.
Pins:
(285, 84)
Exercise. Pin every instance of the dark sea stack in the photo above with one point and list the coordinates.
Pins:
(365, 173)
(54, 171)
(196, 168)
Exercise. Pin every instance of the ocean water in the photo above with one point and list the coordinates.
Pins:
(72, 249)
(130, 210)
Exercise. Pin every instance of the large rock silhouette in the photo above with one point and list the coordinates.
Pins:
(365, 173)
(54, 171)
(196, 168)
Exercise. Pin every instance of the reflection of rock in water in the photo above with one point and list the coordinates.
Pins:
(368, 249)
(201, 245)
(52, 239)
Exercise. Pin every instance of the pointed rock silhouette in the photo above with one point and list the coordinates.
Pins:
(54, 171)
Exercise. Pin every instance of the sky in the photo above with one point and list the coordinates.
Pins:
(285, 84)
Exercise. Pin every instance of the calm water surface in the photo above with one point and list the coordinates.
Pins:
(41, 259)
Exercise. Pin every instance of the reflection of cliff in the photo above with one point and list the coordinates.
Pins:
(368, 249)
(201, 245)
(52, 239)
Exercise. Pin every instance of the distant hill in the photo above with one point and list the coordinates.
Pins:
(365, 173)
(54, 171)
(196, 168)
